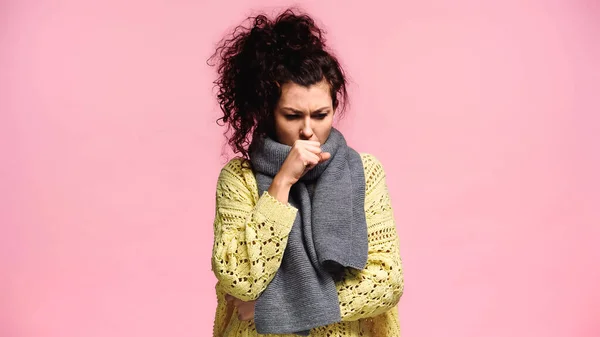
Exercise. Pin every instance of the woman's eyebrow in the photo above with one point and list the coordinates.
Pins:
(302, 112)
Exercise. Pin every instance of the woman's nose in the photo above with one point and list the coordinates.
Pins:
(306, 131)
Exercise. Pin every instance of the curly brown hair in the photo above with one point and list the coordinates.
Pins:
(254, 62)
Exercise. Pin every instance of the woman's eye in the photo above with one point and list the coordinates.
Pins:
(290, 117)
(321, 116)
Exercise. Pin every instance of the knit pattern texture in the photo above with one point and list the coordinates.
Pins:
(250, 236)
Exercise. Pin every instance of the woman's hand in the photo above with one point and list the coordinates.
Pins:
(245, 310)
(305, 155)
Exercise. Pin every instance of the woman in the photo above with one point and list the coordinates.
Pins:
(304, 237)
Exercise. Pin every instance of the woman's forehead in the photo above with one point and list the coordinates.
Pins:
(301, 98)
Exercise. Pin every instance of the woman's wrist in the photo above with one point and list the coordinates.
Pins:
(280, 188)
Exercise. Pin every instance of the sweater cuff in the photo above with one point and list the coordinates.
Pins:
(271, 210)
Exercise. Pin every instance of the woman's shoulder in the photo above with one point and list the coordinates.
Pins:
(236, 164)
(238, 170)
(373, 167)
(370, 162)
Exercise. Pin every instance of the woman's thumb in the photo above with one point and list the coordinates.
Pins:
(324, 156)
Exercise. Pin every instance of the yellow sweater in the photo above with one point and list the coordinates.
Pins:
(250, 235)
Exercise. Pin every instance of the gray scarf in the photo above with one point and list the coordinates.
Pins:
(328, 235)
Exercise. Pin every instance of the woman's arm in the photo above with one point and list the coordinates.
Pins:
(378, 287)
(249, 235)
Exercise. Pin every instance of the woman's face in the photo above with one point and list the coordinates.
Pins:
(304, 113)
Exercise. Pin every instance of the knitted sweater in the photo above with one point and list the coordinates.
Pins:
(250, 235)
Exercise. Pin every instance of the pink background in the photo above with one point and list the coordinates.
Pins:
(484, 114)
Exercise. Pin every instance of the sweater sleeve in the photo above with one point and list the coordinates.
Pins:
(377, 288)
(249, 235)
